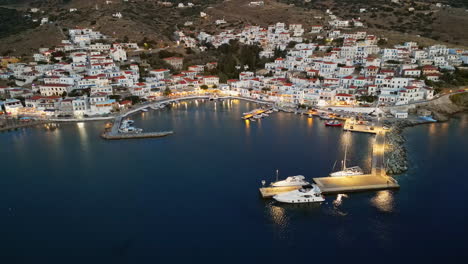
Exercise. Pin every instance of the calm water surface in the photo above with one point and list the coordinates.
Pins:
(69, 197)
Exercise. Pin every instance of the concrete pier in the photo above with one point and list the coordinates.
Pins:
(363, 128)
(268, 192)
(370, 182)
(118, 136)
(376, 180)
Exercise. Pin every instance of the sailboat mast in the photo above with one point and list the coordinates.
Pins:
(345, 152)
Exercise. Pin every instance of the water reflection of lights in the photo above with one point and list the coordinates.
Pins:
(278, 215)
(383, 200)
(310, 122)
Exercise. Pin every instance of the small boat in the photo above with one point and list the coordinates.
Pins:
(265, 115)
(333, 123)
(310, 116)
(257, 116)
(326, 117)
(298, 180)
(252, 119)
(269, 112)
(275, 109)
(144, 110)
(310, 193)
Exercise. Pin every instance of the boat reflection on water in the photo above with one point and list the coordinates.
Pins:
(384, 201)
(339, 199)
(336, 209)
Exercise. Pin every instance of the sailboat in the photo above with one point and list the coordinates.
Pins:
(345, 171)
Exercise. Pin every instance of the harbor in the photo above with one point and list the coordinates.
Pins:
(129, 178)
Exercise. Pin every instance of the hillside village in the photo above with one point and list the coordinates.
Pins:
(86, 77)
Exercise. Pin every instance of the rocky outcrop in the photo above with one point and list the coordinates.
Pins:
(446, 106)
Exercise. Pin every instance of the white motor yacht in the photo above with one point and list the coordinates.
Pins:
(306, 194)
(298, 180)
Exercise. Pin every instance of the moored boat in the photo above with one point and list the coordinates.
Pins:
(326, 117)
(298, 180)
(333, 123)
(351, 171)
(345, 171)
(307, 194)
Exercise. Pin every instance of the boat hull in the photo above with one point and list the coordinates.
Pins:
(281, 199)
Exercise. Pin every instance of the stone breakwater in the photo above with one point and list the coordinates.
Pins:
(442, 109)
(395, 151)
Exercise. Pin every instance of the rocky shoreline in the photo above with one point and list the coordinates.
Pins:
(395, 152)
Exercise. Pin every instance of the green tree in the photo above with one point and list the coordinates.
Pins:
(167, 91)
(204, 87)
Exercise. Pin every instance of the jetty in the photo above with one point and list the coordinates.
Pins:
(255, 112)
(114, 134)
(376, 180)
(360, 126)
(118, 136)
(268, 192)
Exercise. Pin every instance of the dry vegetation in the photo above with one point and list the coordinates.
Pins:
(145, 20)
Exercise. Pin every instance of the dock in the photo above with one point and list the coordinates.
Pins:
(110, 136)
(255, 112)
(363, 128)
(114, 134)
(376, 180)
(268, 192)
(360, 183)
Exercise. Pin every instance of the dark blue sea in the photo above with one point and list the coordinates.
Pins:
(67, 196)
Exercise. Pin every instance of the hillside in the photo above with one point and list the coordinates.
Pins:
(421, 18)
(151, 22)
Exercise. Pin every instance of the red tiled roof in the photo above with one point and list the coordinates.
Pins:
(344, 94)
